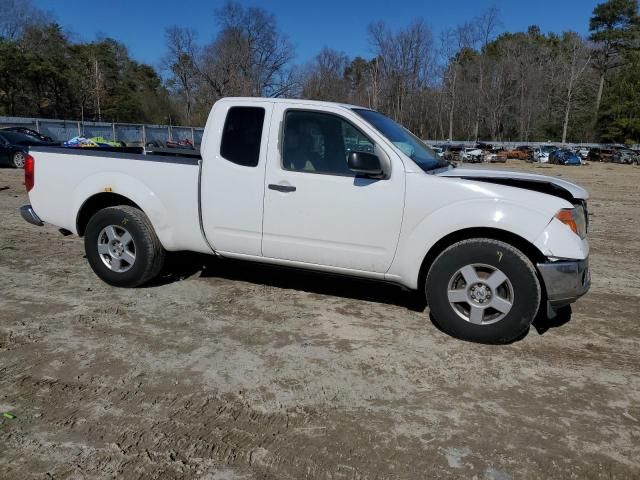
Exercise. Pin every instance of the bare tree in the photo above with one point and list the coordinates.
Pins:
(404, 58)
(501, 93)
(576, 57)
(250, 54)
(374, 78)
(16, 16)
(180, 60)
(526, 62)
(452, 44)
(325, 77)
(485, 27)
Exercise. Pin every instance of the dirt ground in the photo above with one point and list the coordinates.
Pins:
(234, 371)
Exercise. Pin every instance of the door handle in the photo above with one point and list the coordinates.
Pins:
(282, 188)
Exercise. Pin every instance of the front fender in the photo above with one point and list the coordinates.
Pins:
(499, 214)
(559, 241)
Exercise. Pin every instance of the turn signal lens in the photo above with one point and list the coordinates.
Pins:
(572, 219)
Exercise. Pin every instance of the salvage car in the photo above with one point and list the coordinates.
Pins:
(527, 150)
(541, 153)
(277, 184)
(30, 132)
(564, 156)
(495, 155)
(517, 154)
(14, 147)
(626, 156)
(439, 150)
(453, 153)
(484, 146)
(472, 155)
(583, 152)
(600, 154)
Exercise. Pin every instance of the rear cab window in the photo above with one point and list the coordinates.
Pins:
(242, 135)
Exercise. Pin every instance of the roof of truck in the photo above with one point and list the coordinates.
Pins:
(295, 101)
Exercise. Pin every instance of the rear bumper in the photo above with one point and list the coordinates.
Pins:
(30, 216)
(565, 281)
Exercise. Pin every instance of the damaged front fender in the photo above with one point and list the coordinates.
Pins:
(558, 241)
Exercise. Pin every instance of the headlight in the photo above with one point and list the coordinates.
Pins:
(575, 219)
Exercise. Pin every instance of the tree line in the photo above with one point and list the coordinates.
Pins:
(43, 73)
(470, 82)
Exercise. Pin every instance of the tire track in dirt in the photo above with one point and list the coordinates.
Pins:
(194, 432)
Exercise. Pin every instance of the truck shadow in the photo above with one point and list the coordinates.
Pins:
(181, 265)
(543, 323)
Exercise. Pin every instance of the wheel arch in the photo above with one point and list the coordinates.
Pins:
(522, 244)
(97, 202)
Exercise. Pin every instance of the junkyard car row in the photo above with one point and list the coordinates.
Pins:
(486, 152)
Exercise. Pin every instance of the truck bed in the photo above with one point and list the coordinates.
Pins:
(164, 187)
(174, 152)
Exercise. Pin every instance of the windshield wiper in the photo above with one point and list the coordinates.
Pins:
(437, 165)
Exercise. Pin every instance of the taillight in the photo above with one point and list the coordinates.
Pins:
(29, 172)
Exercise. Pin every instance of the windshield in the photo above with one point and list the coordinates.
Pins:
(414, 148)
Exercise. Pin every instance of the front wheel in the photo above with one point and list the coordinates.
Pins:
(483, 290)
(122, 247)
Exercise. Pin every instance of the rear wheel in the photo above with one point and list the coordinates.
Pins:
(483, 290)
(18, 159)
(122, 247)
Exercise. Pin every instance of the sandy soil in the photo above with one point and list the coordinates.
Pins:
(232, 371)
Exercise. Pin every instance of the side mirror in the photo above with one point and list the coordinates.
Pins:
(363, 163)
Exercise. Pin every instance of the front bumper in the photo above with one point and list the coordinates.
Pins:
(565, 281)
(30, 216)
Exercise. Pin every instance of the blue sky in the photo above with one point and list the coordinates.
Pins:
(311, 25)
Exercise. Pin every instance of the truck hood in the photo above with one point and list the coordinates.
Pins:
(530, 181)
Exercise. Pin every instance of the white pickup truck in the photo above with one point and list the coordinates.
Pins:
(328, 187)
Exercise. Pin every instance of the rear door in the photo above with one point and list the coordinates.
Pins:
(232, 178)
(316, 210)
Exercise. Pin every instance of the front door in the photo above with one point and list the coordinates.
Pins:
(316, 210)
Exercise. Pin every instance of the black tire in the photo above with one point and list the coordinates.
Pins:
(17, 159)
(149, 253)
(520, 272)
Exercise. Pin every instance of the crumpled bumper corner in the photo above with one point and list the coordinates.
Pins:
(565, 281)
